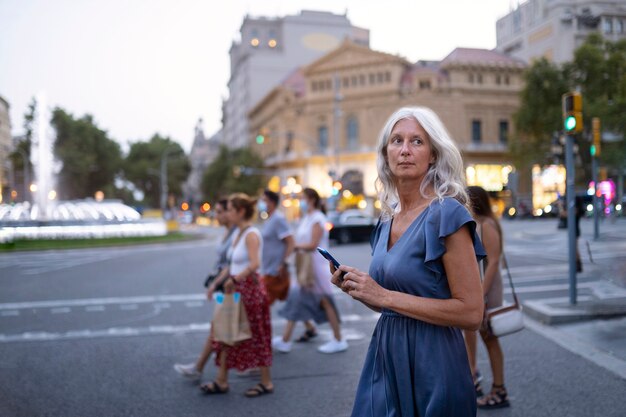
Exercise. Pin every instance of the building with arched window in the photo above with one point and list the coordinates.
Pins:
(335, 107)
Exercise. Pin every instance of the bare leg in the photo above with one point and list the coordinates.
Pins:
(333, 320)
(266, 378)
(470, 346)
(206, 352)
(496, 358)
(288, 331)
(222, 373)
(309, 325)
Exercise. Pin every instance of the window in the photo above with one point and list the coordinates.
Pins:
(379, 78)
(314, 85)
(328, 85)
(498, 80)
(362, 79)
(424, 84)
(479, 78)
(353, 133)
(608, 25)
(387, 77)
(620, 26)
(372, 78)
(507, 81)
(322, 138)
(470, 78)
(353, 81)
(476, 132)
(346, 82)
(289, 144)
(504, 132)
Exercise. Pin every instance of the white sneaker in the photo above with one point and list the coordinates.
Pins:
(333, 346)
(280, 345)
(188, 371)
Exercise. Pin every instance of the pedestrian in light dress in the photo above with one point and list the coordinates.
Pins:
(243, 278)
(423, 276)
(315, 302)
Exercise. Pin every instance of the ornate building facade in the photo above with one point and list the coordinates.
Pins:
(322, 123)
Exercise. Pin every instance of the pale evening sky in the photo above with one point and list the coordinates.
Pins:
(146, 66)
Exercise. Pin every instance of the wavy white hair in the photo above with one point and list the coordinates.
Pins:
(445, 175)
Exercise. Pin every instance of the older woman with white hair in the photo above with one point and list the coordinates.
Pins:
(423, 277)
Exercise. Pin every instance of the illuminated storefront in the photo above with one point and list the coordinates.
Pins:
(493, 178)
(548, 186)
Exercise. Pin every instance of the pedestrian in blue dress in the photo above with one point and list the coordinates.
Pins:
(423, 278)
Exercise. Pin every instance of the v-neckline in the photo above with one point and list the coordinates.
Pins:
(419, 216)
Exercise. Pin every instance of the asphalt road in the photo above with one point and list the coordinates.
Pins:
(95, 332)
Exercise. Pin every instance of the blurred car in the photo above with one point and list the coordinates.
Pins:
(350, 226)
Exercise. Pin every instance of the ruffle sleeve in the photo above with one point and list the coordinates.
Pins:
(445, 218)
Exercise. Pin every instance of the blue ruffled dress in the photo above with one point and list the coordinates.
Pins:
(414, 368)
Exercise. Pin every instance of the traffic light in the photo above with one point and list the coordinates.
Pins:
(595, 127)
(572, 112)
(262, 136)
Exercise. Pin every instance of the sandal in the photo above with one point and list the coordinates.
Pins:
(258, 390)
(213, 388)
(477, 387)
(306, 336)
(497, 398)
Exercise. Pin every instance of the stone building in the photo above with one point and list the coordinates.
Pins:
(268, 50)
(555, 28)
(203, 152)
(322, 122)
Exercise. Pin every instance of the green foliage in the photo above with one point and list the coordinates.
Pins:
(230, 173)
(143, 167)
(539, 114)
(90, 159)
(597, 70)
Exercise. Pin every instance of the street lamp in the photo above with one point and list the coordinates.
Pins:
(164, 189)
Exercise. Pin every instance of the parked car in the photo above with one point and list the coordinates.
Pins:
(350, 226)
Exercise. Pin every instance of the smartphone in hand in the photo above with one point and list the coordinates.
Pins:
(330, 257)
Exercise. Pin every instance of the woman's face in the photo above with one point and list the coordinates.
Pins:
(220, 215)
(408, 150)
(234, 215)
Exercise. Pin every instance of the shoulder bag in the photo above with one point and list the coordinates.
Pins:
(506, 319)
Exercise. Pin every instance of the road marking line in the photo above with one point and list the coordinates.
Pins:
(60, 310)
(94, 308)
(129, 307)
(152, 330)
(102, 301)
(9, 313)
(195, 303)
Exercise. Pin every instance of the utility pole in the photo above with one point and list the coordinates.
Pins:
(572, 124)
(163, 177)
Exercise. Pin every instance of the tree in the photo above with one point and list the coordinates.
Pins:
(90, 159)
(142, 167)
(539, 115)
(238, 170)
(599, 68)
(20, 157)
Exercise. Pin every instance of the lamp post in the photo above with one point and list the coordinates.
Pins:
(26, 166)
(163, 178)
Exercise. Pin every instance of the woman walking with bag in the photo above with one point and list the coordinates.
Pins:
(243, 278)
(194, 370)
(313, 300)
(491, 236)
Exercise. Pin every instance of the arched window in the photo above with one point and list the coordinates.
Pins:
(352, 133)
(322, 138)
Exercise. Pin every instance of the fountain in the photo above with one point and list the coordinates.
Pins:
(48, 218)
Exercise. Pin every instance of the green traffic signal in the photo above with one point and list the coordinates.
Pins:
(592, 150)
(570, 123)
(260, 139)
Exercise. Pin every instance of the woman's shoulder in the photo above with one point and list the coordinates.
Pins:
(447, 206)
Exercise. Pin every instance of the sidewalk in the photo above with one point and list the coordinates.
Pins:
(608, 297)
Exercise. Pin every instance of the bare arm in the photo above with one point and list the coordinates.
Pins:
(463, 309)
(491, 241)
(316, 236)
(289, 248)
